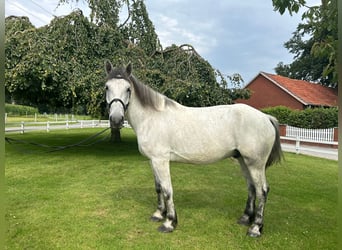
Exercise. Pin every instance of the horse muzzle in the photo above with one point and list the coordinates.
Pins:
(116, 113)
(116, 121)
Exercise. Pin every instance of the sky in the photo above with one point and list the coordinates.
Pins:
(234, 36)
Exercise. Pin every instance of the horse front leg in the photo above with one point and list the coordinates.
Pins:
(160, 213)
(161, 170)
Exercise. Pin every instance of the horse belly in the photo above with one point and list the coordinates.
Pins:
(201, 149)
(196, 158)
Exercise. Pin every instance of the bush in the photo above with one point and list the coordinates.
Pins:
(280, 112)
(13, 109)
(309, 118)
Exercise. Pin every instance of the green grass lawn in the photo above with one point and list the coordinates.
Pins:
(101, 197)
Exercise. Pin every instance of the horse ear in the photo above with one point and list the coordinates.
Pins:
(108, 66)
(129, 69)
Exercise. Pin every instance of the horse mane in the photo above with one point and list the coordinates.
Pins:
(149, 97)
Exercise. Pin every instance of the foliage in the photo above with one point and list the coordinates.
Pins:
(183, 75)
(316, 57)
(59, 67)
(101, 197)
(309, 118)
(48, 74)
(282, 113)
(102, 11)
(140, 31)
(13, 109)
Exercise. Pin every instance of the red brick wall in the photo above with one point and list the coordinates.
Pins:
(335, 134)
(265, 94)
(282, 130)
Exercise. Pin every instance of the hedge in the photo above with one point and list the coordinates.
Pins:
(13, 109)
(309, 118)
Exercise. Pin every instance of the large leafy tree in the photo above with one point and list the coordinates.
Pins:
(59, 67)
(29, 65)
(50, 66)
(314, 43)
(177, 71)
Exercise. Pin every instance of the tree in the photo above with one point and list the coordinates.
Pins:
(140, 30)
(56, 63)
(315, 58)
(182, 74)
(27, 79)
(58, 67)
(103, 12)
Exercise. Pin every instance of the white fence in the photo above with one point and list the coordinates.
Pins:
(23, 127)
(315, 135)
(322, 139)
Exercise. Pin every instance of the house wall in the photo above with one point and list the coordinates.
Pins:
(266, 94)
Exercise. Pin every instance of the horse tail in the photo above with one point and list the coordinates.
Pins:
(276, 154)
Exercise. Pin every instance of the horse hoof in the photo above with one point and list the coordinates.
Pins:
(156, 219)
(254, 231)
(164, 229)
(244, 220)
(253, 234)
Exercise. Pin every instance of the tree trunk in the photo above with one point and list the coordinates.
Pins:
(115, 135)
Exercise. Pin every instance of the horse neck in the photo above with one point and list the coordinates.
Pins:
(136, 113)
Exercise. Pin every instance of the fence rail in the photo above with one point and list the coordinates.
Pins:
(23, 127)
(316, 135)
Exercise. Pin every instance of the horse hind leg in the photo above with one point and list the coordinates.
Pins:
(257, 190)
(261, 190)
(249, 213)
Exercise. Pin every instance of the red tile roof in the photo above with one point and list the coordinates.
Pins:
(306, 92)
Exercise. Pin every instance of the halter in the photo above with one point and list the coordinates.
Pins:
(125, 106)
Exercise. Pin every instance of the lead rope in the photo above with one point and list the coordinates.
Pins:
(59, 148)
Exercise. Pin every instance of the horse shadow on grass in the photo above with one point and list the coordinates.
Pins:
(69, 143)
(197, 206)
(187, 202)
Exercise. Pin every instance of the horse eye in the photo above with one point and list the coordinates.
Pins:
(129, 90)
(106, 87)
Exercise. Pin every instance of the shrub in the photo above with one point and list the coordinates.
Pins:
(13, 109)
(282, 113)
(309, 118)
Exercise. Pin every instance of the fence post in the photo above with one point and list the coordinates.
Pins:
(297, 145)
(5, 117)
(22, 127)
(67, 124)
(47, 126)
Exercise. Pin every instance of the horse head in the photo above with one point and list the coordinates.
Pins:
(118, 93)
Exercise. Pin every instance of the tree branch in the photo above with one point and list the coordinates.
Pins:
(129, 15)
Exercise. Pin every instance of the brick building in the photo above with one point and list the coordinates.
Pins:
(269, 90)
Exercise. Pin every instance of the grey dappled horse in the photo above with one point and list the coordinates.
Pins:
(168, 131)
